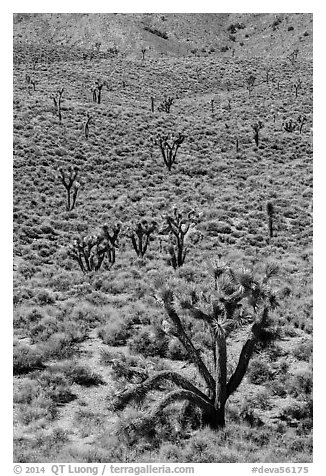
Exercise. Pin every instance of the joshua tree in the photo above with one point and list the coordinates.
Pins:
(270, 216)
(166, 104)
(293, 57)
(256, 127)
(250, 83)
(69, 181)
(228, 85)
(57, 99)
(91, 250)
(111, 236)
(212, 105)
(301, 121)
(140, 235)
(33, 83)
(178, 225)
(169, 147)
(268, 69)
(143, 51)
(94, 94)
(99, 90)
(86, 125)
(297, 85)
(35, 60)
(290, 126)
(239, 299)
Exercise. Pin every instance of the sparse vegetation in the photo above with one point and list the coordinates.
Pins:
(90, 327)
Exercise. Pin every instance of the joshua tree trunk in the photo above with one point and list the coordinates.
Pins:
(220, 377)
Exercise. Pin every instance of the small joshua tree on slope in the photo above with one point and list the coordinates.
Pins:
(166, 104)
(86, 125)
(270, 215)
(140, 235)
(239, 300)
(178, 225)
(256, 127)
(69, 181)
(90, 251)
(57, 99)
(169, 147)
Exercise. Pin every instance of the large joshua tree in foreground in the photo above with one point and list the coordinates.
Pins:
(238, 299)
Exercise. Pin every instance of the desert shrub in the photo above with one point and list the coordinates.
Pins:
(176, 351)
(200, 449)
(303, 351)
(55, 386)
(149, 343)
(276, 22)
(26, 359)
(259, 372)
(248, 415)
(114, 332)
(138, 313)
(79, 374)
(279, 388)
(214, 228)
(44, 447)
(39, 409)
(59, 346)
(298, 411)
(88, 421)
(25, 316)
(170, 453)
(22, 294)
(43, 329)
(132, 427)
(26, 392)
(188, 273)
(300, 384)
(44, 296)
(75, 331)
(235, 26)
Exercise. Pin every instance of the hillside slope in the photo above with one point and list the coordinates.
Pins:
(173, 34)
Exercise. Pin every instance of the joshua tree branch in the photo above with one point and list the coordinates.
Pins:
(179, 395)
(139, 391)
(186, 342)
(246, 354)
